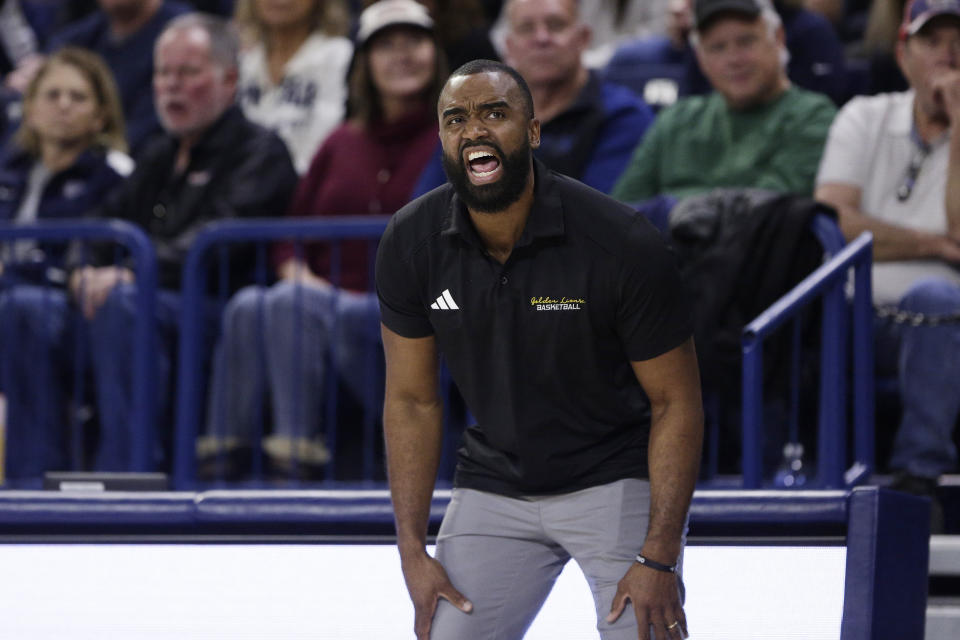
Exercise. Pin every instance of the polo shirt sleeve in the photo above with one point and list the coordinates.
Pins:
(842, 161)
(401, 309)
(654, 313)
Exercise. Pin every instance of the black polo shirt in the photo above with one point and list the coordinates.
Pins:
(540, 346)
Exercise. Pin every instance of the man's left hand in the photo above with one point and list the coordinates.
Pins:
(946, 88)
(656, 602)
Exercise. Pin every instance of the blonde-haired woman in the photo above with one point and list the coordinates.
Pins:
(293, 73)
(64, 160)
(70, 148)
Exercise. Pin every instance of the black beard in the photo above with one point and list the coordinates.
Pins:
(497, 196)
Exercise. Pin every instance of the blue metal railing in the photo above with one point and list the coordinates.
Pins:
(144, 356)
(189, 383)
(826, 283)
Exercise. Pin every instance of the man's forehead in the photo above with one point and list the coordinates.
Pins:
(518, 8)
(177, 38)
(487, 86)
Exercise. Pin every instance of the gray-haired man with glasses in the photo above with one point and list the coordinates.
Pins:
(892, 166)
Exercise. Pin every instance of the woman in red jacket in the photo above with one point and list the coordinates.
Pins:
(368, 165)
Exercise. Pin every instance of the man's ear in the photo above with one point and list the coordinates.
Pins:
(533, 133)
(900, 53)
(585, 35)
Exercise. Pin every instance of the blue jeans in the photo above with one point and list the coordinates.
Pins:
(928, 368)
(112, 333)
(39, 333)
(35, 339)
(287, 336)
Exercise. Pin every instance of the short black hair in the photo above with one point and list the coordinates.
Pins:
(492, 66)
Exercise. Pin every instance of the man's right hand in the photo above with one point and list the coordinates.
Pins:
(946, 88)
(427, 582)
(90, 286)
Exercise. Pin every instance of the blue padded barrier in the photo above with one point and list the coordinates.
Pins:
(887, 570)
(826, 283)
(145, 266)
(350, 508)
(39, 509)
(757, 507)
(357, 507)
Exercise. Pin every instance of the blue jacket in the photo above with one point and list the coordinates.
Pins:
(592, 140)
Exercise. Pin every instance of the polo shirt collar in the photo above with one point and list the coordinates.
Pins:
(545, 220)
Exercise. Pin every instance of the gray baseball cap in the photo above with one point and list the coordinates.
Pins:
(706, 10)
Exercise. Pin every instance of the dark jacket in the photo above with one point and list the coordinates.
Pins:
(70, 193)
(237, 170)
(739, 251)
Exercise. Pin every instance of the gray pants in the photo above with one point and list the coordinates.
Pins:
(504, 555)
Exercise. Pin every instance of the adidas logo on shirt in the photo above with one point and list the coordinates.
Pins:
(445, 301)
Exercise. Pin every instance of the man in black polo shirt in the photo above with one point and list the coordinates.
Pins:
(562, 319)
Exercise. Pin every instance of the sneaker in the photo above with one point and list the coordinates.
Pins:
(920, 486)
(305, 456)
(222, 458)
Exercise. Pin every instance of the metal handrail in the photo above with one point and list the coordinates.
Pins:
(827, 282)
(189, 384)
(144, 356)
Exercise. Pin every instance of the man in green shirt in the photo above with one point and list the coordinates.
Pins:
(755, 129)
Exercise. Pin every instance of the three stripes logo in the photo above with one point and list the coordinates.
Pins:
(445, 301)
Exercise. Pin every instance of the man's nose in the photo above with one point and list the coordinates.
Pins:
(948, 54)
(475, 129)
(541, 33)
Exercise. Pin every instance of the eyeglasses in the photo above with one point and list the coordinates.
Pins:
(921, 150)
(912, 172)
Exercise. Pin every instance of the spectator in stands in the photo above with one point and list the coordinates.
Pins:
(816, 60)
(589, 127)
(892, 167)
(67, 155)
(755, 130)
(124, 32)
(210, 163)
(368, 165)
(293, 79)
(612, 22)
(877, 51)
(462, 29)
(19, 40)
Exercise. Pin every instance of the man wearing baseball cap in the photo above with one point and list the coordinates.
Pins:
(892, 166)
(754, 130)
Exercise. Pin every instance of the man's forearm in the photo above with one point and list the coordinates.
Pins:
(414, 435)
(890, 242)
(676, 438)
